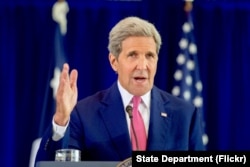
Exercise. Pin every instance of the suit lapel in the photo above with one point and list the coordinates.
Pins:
(114, 117)
(160, 121)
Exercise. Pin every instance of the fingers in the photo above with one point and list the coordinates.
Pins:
(65, 73)
(67, 84)
(73, 79)
(64, 79)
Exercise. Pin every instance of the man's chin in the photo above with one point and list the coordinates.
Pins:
(140, 90)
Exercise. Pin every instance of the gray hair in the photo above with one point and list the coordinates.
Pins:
(131, 26)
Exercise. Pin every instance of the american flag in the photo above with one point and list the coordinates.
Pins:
(188, 85)
(59, 11)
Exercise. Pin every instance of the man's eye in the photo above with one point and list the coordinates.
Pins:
(132, 54)
(150, 55)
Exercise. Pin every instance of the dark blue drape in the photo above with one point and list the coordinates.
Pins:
(224, 45)
(222, 30)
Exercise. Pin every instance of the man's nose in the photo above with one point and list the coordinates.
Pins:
(142, 63)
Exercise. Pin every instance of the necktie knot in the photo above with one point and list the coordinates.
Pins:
(136, 101)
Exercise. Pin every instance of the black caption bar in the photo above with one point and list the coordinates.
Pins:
(190, 158)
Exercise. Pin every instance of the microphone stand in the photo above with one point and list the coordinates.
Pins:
(129, 110)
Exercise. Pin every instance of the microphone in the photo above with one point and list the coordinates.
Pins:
(129, 110)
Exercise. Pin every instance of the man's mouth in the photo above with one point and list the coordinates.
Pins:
(140, 79)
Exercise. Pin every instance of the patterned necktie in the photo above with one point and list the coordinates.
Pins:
(138, 133)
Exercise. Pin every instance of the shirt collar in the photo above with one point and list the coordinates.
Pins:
(126, 96)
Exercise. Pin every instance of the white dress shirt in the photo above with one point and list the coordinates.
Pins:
(144, 106)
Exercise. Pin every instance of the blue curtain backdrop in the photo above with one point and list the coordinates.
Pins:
(222, 32)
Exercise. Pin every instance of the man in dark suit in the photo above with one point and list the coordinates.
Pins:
(100, 126)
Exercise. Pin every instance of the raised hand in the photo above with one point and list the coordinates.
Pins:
(66, 96)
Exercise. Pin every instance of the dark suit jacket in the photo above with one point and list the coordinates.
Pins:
(99, 129)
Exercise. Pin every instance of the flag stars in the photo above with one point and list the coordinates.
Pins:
(183, 44)
(188, 86)
(189, 80)
(198, 86)
(190, 65)
(180, 59)
(178, 75)
(192, 48)
(54, 83)
(176, 91)
(186, 27)
(187, 95)
(198, 101)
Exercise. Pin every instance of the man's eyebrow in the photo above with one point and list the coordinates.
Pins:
(150, 52)
(132, 52)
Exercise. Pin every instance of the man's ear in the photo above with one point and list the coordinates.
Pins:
(113, 61)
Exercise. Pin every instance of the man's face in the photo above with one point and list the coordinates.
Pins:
(136, 65)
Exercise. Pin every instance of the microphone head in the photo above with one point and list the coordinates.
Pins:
(129, 110)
